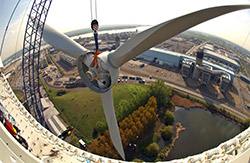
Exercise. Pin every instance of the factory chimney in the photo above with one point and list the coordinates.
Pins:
(199, 57)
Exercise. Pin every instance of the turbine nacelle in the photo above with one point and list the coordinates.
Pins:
(99, 78)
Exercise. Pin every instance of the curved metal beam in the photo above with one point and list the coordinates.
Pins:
(31, 55)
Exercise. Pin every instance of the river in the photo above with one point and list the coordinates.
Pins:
(204, 131)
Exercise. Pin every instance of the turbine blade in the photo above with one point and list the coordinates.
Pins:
(108, 107)
(159, 33)
(62, 42)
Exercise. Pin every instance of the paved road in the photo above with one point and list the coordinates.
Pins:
(195, 48)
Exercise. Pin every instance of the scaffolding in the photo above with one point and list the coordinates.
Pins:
(30, 57)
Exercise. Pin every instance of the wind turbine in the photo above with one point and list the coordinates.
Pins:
(102, 77)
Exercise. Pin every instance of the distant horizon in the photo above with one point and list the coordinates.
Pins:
(67, 16)
(139, 25)
(119, 25)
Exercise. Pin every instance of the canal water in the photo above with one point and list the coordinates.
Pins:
(204, 131)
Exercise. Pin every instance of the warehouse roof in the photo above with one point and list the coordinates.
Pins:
(222, 57)
(163, 55)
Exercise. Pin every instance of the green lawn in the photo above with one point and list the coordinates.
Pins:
(82, 109)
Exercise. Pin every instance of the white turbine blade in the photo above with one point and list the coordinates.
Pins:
(108, 107)
(159, 33)
(62, 42)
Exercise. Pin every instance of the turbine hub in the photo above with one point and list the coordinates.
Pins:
(92, 74)
(99, 79)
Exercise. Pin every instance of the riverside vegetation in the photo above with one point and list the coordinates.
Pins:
(144, 114)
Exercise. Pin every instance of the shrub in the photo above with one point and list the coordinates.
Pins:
(167, 132)
(169, 117)
(152, 149)
(60, 92)
(100, 127)
(246, 123)
(161, 156)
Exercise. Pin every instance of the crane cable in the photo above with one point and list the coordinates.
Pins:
(94, 27)
(91, 10)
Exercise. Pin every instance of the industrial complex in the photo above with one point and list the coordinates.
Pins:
(198, 67)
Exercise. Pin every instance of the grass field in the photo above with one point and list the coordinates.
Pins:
(82, 109)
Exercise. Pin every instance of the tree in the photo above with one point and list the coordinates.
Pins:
(123, 138)
(136, 114)
(161, 92)
(139, 126)
(135, 131)
(131, 124)
(123, 125)
(130, 127)
(167, 132)
(144, 122)
(149, 117)
(246, 123)
(152, 110)
(152, 103)
(152, 149)
(123, 110)
(141, 109)
(100, 127)
(169, 117)
(129, 135)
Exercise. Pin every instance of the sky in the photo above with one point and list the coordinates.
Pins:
(65, 15)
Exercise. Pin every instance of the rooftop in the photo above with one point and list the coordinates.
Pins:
(209, 47)
(220, 56)
(163, 55)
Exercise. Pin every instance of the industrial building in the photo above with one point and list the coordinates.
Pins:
(187, 68)
(214, 66)
(244, 78)
(163, 57)
(210, 53)
(51, 117)
(225, 82)
(206, 73)
(193, 67)
(67, 60)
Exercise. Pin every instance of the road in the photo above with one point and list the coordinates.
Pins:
(195, 48)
